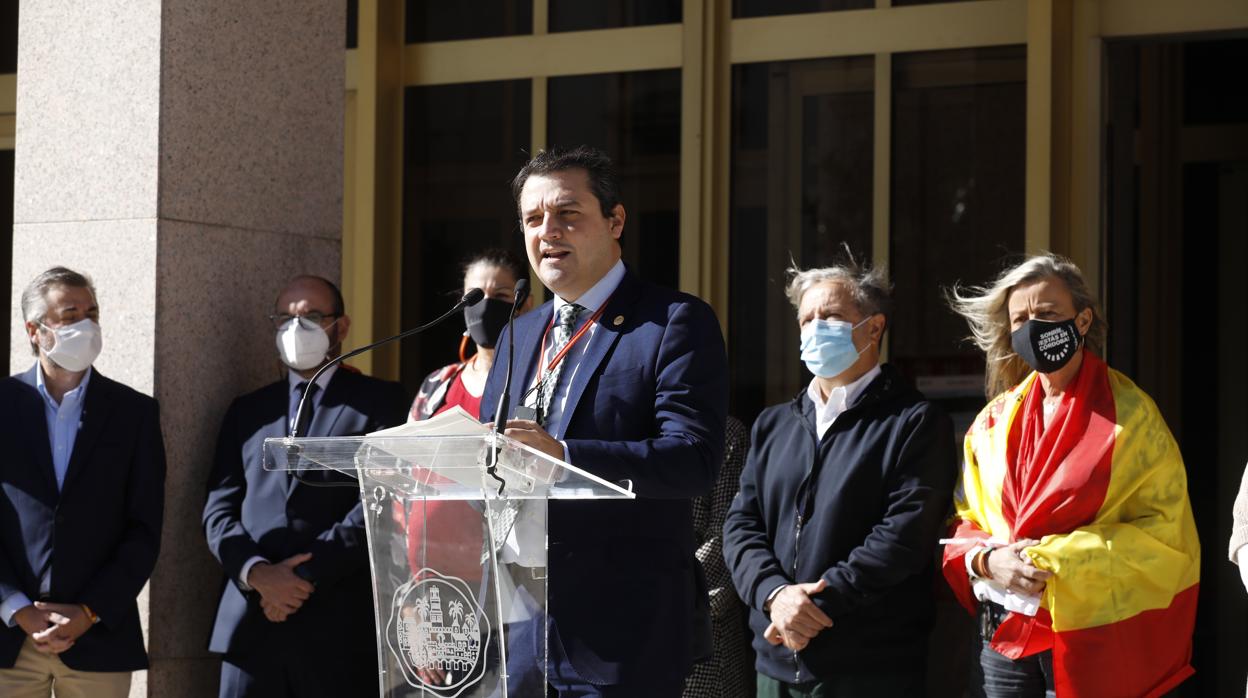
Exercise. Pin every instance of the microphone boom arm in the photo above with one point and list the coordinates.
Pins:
(472, 297)
(500, 416)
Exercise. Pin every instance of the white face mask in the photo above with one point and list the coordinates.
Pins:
(302, 344)
(75, 347)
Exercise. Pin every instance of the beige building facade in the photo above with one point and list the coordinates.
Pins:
(190, 156)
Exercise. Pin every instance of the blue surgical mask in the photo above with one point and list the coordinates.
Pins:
(828, 346)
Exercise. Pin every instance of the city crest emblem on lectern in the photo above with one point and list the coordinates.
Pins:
(438, 633)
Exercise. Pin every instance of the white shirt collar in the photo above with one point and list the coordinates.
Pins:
(597, 295)
(295, 379)
(839, 399)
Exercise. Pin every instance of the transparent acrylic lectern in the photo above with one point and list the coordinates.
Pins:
(458, 555)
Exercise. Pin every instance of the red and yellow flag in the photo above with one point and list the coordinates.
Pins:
(1104, 490)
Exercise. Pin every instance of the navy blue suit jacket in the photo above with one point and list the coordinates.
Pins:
(97, 538)
(648, 404)
(253, 512)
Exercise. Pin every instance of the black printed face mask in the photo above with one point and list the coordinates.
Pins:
(486, 320)
(1045, 345)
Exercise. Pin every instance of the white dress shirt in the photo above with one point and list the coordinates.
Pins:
(839, 399)
(295, 379)
(593, 299)
(525, 544)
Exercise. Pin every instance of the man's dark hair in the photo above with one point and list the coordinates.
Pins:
(596, 164)
(501, 258)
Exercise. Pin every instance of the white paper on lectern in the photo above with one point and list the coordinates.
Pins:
(522, 471)
(453, 422)
(452, 448)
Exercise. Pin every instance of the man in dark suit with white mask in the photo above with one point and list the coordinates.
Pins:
(296, 615)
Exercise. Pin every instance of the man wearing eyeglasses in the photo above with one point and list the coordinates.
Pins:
(296, 615)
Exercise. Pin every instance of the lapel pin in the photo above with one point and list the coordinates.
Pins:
(619, 320)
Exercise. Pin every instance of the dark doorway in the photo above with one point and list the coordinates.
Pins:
(1177, 294)
(6, 234)
(462, 144)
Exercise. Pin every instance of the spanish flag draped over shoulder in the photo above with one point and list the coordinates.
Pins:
(1104, 490)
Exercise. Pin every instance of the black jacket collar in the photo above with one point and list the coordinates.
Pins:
(889, 385)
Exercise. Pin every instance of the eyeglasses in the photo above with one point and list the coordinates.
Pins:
(73, 317)
(308, 319)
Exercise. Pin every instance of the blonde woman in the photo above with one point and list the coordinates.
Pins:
(1075, 543)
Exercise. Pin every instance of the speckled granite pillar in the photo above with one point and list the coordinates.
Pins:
(188, 156)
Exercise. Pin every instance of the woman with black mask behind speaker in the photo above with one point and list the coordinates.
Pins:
(494, 271)
(432, 524)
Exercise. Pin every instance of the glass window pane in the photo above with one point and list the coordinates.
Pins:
(959, 137)
(462, 145)
(353, 24)
(1206, 99)
(903, 3)
(802, 145)
(770, 8)
(439, 20)
(579, 15)
(8, 37)
(635, 118)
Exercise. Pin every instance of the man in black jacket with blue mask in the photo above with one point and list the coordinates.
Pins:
(832, 538)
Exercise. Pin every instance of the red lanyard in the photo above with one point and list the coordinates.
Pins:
(543, 369)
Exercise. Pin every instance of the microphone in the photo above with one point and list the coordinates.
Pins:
(500, 414)
(472, 297)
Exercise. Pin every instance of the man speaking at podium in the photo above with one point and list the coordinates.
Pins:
(628, 381)
(296, 615)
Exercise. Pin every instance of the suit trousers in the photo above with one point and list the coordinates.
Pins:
(525, 672)
(279, 675)
(37, 674)
(881, 684)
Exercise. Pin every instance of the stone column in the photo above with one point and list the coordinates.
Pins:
(187, 155)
